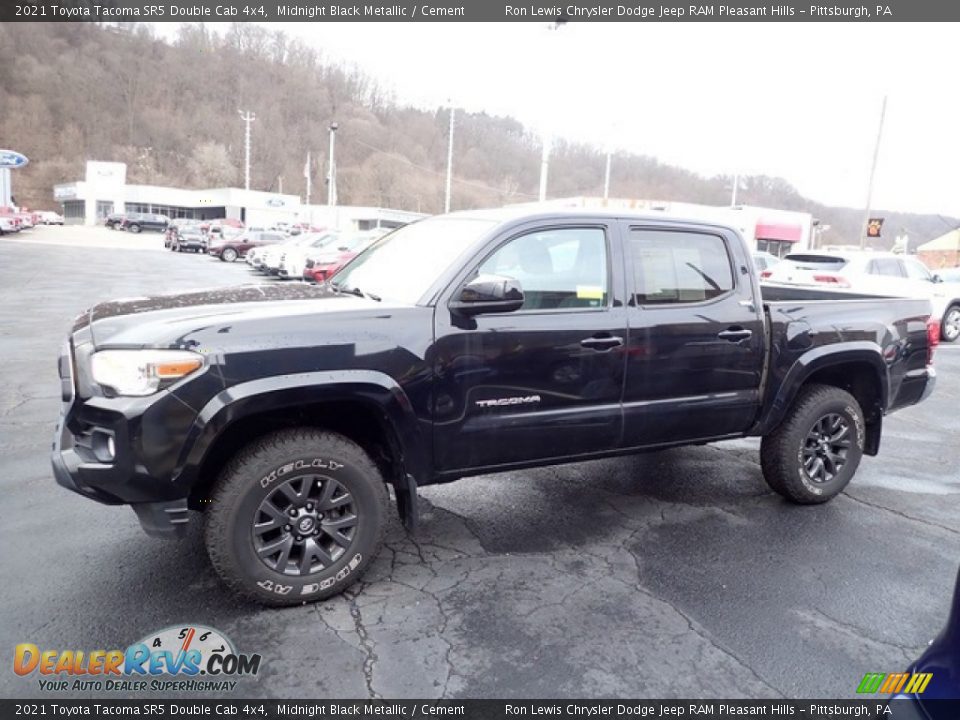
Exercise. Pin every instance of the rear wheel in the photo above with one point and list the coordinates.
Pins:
(296, 517)
(133, 228)
(815, 451)
(228, 255)
(950, 327)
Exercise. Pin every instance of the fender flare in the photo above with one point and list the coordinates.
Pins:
(376, 389)
(812, 361)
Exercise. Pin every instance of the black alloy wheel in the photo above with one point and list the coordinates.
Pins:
(304, 525)
(825, 448)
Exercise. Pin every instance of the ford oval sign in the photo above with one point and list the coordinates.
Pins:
(11, 159)
(272, 202)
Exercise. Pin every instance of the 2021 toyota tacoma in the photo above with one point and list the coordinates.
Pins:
(464, 344)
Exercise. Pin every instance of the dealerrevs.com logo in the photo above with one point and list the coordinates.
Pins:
(187, 658)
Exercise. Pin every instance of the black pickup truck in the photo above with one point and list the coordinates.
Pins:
(465, 344)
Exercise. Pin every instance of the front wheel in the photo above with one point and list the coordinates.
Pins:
(815, 451)
(296, 517)
(950, 327)
(228, 255)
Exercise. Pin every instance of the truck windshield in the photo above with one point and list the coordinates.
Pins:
(404, 264)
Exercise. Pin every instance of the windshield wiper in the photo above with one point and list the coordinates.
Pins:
(353, 291)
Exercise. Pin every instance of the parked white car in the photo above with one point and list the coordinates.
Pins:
(763, 261)
(7, 225)
(872, 273)
(294, 259)
(274, 256)
(254, 256)
(48, 217)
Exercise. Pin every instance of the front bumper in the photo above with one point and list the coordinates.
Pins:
(122, 451)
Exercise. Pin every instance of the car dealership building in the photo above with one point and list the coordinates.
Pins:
(104, 190)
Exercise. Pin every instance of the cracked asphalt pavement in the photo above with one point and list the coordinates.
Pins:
(671, 574)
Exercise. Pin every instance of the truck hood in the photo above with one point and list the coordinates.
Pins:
(171, 320)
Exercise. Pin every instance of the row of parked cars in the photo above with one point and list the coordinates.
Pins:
(869, 273)
(14, 220)
(314, 257)
(297, 253)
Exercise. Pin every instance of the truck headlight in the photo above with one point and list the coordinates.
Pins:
(142, 372)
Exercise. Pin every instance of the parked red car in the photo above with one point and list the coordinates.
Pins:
(325, 264)
(229, 249)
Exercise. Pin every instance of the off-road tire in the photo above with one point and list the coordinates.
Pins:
(257, 473)
(782, 452)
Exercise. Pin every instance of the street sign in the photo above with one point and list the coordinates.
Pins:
(11, 159)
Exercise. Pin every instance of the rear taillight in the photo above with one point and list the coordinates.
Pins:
(765, 274)
(835, 280)
(933, 337)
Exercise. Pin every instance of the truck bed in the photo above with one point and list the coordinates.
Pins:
(888, 335)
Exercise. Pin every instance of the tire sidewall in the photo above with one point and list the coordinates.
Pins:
(852, 414)
(269, 585)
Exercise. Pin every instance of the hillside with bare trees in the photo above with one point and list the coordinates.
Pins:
(73, 92)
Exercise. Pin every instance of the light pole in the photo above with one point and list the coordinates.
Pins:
(606, 177)
(544, 167)
(332, 168)
(873, 170)
(248, 118)
(446, 202)
(306, 175)
(545, 158)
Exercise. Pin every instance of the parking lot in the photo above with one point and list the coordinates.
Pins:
(671, 574)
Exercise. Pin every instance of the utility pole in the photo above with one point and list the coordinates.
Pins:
(280, 184)
(332, 168)
(545, 159)
(306, 174)
(248, 117)
(873, 170)
(733, 194)
(606, 177)
(446, 202)
(544, 167)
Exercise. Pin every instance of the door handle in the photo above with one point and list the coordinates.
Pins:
(606, 342)
(735, 334)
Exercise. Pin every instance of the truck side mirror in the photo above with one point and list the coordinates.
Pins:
(488, 294)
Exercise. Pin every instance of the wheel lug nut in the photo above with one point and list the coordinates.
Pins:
(288, 528)
(309, 506)
(292, 512)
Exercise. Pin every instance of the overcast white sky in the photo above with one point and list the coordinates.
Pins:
(797, 100)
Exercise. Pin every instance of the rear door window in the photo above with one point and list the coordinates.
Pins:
(678, 266)
(888, 267)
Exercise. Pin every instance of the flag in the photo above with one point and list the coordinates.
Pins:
(873, 227)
